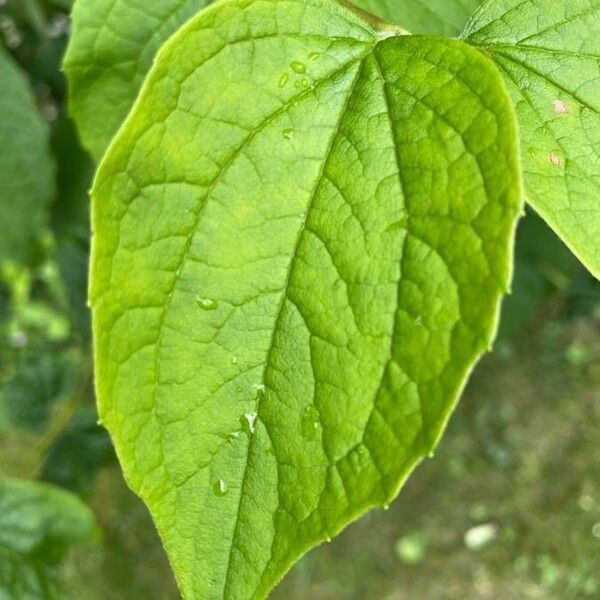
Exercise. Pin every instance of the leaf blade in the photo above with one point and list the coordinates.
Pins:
(26, 167)
(111, 48)
(285, 314)
(549, 55)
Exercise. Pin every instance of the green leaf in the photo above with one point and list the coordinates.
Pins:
(38, 522)
(302, 235)
(26, 166)
(549, 54)
(111, 48)
(440, 17)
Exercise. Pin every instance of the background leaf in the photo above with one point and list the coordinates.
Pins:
(549, 54)
(38, 523)
(290, 285)
(26, 167)
(112, 45)
(440, 17)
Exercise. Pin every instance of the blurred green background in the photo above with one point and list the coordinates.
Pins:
(509, 508)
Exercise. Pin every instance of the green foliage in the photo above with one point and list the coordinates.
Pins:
(440, 17)
(112, 47)
(549, 52)
(302, 235)
(38, 523)
(271, 369)
(26, 167)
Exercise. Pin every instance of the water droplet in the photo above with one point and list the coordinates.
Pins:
(561, 108)
(314, 55)
(259, 390)
(304, 83)
(309, 423)
(298, 67)
(234, 435)
(283, 80)
(234, 360)
(248, 422)
(386, 507)
(398, 225)
(220, 487)
(328, 539)
(206, 303)
(555, 160)
(288, 134)
(431, 454)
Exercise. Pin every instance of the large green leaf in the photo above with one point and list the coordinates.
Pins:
(441, 17)
(112, 45)
(38, 522)
(549, 54)
(302, 235)
(26, 166)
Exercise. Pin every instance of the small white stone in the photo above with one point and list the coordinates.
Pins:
(481, 535)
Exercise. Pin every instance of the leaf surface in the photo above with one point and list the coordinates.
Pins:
(440, 17)
(38, 522)
(302, 235)
(111, 48)
(549, 54)
(26, 166)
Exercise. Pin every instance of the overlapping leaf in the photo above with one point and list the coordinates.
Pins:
(112, 45)
(441, 17)
(549, 54)
(302, 235)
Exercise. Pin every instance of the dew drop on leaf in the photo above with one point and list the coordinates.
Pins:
(259, 390)
(555, 160)
(206, 303)
(248, 422)
(288, 134)
(399, 224)
(313, 55)
(298, 67)
(220, 487)
(283, 80)
(309, 423)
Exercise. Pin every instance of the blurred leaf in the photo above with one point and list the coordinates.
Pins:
(38, 523)
(70, 216)
(77, 455)
(26, 167)
(112, 46)
(41, 378)
(23, 580)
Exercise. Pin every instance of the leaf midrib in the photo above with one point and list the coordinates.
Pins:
(284, 296)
